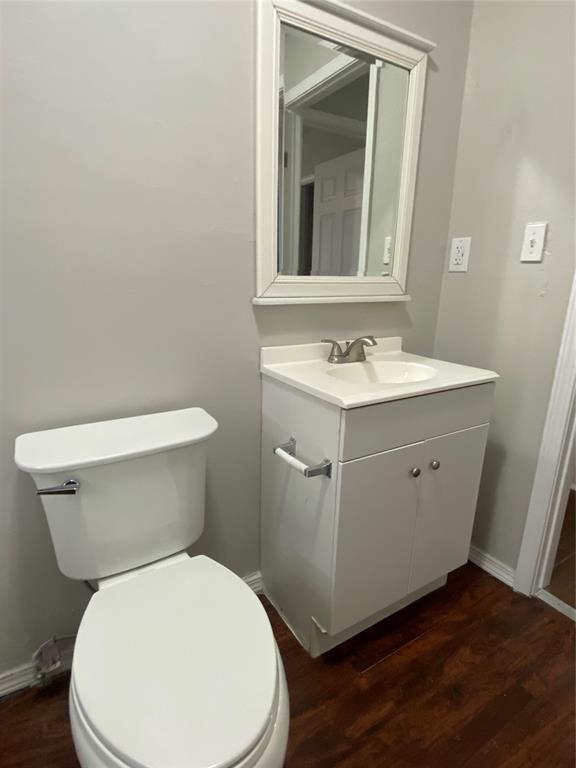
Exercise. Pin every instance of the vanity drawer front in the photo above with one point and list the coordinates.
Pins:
(381, 427)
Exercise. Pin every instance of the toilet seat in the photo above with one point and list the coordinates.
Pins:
(177, 667)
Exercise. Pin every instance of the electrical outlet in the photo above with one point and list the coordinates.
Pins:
(459, 254)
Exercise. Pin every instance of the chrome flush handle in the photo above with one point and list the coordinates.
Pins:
(67, 488)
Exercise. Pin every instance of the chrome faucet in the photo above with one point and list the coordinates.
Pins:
(354, 351)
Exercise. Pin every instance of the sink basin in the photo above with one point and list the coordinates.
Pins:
(389, 373)
(382, 372)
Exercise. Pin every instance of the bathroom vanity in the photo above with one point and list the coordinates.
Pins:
(370, 475)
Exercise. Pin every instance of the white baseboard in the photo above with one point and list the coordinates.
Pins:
(18, 678)
(491, 565)
(254, 581)
(557, 604)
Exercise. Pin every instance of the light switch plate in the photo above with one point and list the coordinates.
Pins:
(459, 254)
(533, 245)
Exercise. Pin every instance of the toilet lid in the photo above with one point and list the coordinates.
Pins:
(177, 667)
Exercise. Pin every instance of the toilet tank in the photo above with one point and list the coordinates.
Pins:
(141, 488)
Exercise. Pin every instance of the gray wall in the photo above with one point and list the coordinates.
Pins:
(301, 55)
(515, 165)
(128, 252)
(319, 146)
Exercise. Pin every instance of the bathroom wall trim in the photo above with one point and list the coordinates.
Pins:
(491, 565)
(552, 477)
(17, 679)
(373, 22)
(557, 604)
(267, 301)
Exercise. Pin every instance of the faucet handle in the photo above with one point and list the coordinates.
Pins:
(335, 344)
(336, 351)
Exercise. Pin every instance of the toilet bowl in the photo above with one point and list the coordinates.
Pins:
(175, 664)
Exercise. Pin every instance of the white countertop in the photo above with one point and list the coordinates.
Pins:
(350, 385)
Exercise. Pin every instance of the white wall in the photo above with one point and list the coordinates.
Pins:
(128, 252)
(515, 165)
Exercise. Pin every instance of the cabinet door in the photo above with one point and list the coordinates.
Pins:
(378, 499)
(447, 505)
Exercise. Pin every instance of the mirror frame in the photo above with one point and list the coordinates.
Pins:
(355, 29)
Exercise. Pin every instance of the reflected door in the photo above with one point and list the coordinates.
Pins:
(337, 215)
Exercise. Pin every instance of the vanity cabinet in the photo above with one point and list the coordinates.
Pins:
(376, 516)
(396, 515)
(447, 503)
(402, 524)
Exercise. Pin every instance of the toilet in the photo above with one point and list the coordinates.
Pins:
(175, 664)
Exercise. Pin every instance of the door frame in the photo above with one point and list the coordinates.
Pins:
(324, 81)
(548, 499)
(368, 166)
(291, 196)
(302, 96)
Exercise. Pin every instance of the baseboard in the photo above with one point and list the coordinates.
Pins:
(491, 565)
(18, 678)
(254, 581)
(557, 604)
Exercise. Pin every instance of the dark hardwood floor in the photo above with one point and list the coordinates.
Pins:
(472, 676)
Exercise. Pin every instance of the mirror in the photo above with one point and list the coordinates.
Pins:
(339, 110)
(341, 137)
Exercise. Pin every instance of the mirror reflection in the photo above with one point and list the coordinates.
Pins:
(342, 118)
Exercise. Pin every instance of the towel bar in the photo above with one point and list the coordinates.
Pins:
(287, 452)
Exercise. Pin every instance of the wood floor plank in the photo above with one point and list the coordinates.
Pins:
(471, 676)
(35, 729)
(471, 593)
(541, 735)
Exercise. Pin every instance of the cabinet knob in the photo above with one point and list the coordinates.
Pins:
(415, 471)
(435, 464)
